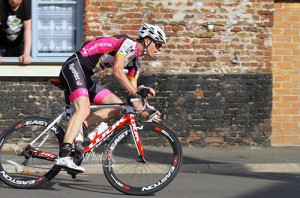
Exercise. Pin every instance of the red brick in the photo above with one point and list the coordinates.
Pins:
(291, 32)
(283, 25)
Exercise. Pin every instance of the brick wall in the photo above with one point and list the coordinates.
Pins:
(286, 73)
(203, 110)
(228, 39)
(203, 36)
(215, 69)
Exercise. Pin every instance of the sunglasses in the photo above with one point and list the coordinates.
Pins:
(158, 45)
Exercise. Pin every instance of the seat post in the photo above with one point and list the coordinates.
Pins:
(67, 101)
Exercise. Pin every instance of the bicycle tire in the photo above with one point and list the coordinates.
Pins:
(17, 171)
(163, 154)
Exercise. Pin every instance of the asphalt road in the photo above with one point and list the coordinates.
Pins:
(190, 185)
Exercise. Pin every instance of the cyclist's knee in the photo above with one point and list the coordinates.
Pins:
(82, 106)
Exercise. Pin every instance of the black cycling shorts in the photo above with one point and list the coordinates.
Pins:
(77, 80)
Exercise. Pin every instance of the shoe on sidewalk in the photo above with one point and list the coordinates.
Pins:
(68, 163)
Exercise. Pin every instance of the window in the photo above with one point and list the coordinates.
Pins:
(57, 28)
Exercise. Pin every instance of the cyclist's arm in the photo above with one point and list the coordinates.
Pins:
(139, 105)
(121, 77)
(133, 82)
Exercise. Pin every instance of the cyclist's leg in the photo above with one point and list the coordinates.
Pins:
(81, 112)
(101, 95)
(73, 76)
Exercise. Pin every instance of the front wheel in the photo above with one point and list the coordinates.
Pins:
(130, 175)
(27, 151)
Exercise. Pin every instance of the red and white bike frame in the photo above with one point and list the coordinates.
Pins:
(100, 138)
(129, 118)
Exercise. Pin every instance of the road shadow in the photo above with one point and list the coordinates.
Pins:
(285, 185)
(84, 185)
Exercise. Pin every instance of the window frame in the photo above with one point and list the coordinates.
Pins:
(79, 32)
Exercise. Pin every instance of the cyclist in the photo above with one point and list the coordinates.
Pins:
(117, 52)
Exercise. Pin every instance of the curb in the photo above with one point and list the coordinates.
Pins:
(222, 168)
(242, 168)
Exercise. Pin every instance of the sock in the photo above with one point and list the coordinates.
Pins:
(66, 150)
(84, 128)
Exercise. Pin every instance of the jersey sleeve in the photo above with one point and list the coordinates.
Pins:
(134, 71)
(27, 10)
(126, 49)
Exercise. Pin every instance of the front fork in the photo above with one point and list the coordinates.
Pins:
(136, 138)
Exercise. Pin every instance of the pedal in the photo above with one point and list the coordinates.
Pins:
(73, 175)
(71, 171)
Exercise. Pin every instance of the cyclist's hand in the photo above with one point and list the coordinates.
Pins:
(152, 117)
(156, 118)
(145, 92)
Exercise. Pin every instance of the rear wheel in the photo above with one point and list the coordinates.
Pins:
(28, 164)
(130, 175)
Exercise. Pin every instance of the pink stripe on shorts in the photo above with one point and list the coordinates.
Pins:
(77, 93)
(100, 96)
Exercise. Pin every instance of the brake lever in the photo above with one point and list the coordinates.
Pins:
(153, 114)
(152, 85)
(148, 106)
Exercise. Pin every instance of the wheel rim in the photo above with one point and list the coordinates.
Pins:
(18, 166)
(122, 168)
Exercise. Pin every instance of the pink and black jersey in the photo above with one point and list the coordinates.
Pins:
(100, 54)
(95, 56)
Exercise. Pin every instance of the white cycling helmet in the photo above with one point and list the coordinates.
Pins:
(152, 31)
